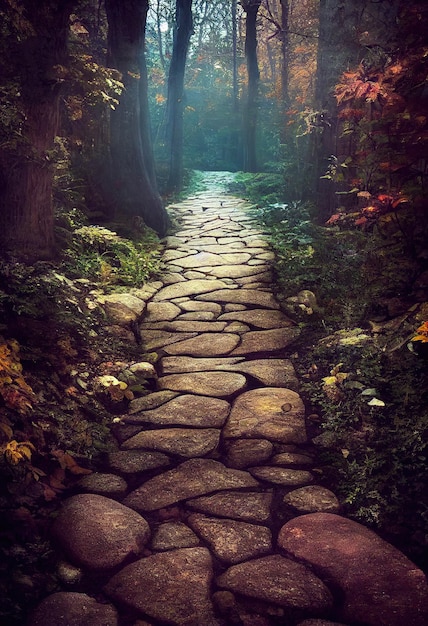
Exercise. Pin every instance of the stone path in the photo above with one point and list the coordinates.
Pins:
(209, 512)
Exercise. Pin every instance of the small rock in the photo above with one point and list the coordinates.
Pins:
(135, 461)
(311, 499)
(108, 485)
(282, 476)
(246, 506)
(244, 453)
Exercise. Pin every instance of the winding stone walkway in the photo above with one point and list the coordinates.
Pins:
(209, 512)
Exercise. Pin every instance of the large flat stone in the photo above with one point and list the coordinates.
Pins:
(192, 478)
(269, 413)
(270, 372)
(242, 453)
(236, 271)
(161, 311)
(247, 506)
(185, 410)
(172, 587)
(266, 341)
(214, 384)
(183, 364)
(151, 401)
(183, 326)
(380, 586)
(261, 318)
(188, 288)
(241, 296)
(98, 533)
(278, 580)
(205, 345)
(184, 442)
(232, 541)
(136, 461)
(191, 305)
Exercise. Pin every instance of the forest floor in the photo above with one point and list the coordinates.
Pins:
(135, 363)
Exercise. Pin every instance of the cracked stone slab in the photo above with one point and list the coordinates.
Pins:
(246, 506)
(265, 341)
(173, 587)
(184, 442)
(261, 318)
(241, 296)
(188, 288)
(205, 345)
(155, 339)
(269, 413)
(185, 410)
(278, 580)
(270, 372)
(232, 541)
(192, 478)
(215, 384)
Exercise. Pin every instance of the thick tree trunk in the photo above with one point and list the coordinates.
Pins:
(251, 8)
(131, 151)
(285, 100)
(26, 168)
(175, 101)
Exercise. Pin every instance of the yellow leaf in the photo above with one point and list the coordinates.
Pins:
(421, 338)
(330, 380)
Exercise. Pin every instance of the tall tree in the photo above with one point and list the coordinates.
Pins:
(183, 30)
(251, 8)
(33, 71)
(130, 142)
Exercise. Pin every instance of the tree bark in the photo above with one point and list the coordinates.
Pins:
(37, 63)
(285, 100)
(175, 100)
(251, 8)
(132, 160)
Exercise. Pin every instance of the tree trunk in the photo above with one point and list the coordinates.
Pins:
(251, 8)
(131, 150)
(235, 56)
(37, 64)
(285, 100)
(175, 101)
(338, 49)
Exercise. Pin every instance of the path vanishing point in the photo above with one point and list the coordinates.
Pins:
(209, 512)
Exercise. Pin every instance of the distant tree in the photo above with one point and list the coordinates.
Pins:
(33, 67)
(183, 30)
(251, 8)
(132, 159)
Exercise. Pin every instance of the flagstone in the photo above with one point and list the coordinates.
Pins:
(183, 364)
(173, 535)
(182, 326)
(188, 288)
(269, 413)
(191, 305)
(263, 341)
(230, 540)
(247, 506)
(184, 442)
(197, 316)
(237, 327)
(170, 278)
(199, 259)
(242, 453)
(136, 461)
(312, 499)
(157, 311)
(241, 296)
(205, 344)
(195, 477)
(261, 318)
(213, 384)
(235, 271)
(193, 275)
(154, 339)
(282, 476)
(185, 410)
(263, 277)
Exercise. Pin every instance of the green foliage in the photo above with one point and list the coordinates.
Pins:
(101, 254)
(263, 188)
(376, 455)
